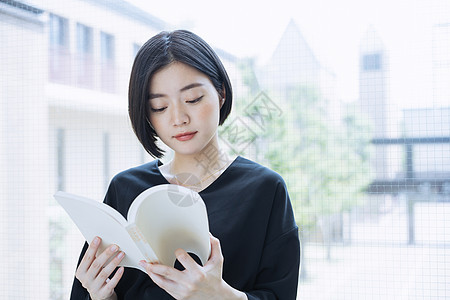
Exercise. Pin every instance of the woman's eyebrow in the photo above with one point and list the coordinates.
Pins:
(183, 89)
(153, 96)
(191, 86)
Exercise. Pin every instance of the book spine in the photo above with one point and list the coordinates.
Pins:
(141, 243)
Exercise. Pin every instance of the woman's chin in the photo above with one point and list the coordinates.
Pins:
(187, 150)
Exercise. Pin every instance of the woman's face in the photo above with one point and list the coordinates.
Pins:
(184, 108)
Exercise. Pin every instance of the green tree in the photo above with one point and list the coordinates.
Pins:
(329, 161)
(325, 163)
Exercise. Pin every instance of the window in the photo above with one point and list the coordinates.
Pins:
(107, 54)
(107, 47)
(58, 31)
(59, 56)
(84, 60)
(84, 39)
(372, 62)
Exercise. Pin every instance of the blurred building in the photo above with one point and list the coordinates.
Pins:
(428, 131)
(294, 64)
(373, 95)
(441, 63)
(64, 68)
(418, 159)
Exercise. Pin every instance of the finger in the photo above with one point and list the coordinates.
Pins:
(109, 268)
(216, 251)
(164, 282)
(162, 270)
(160, 275)
(90, 254)
(112, 283)
(186, 260)
(99, 262)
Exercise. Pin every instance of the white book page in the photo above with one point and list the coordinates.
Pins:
(94, 218)
(170, 217)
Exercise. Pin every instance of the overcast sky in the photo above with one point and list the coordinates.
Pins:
(332, 28)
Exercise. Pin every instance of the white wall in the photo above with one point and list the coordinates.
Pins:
(24, 173)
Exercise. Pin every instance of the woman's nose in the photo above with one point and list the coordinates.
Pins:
(179, 116)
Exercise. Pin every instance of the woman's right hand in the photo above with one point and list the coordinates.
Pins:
(94, 274)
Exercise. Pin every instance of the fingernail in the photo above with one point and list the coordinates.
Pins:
(143, 263)
(113, 248)
(96, 241)
(120, 255)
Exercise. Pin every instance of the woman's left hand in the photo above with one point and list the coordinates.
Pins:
(195, 282)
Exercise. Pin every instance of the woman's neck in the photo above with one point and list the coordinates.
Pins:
(199, 170)
(200, 164)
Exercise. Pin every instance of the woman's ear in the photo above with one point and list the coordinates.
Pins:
(222, 96)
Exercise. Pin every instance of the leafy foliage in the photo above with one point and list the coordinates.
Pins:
(324, 162)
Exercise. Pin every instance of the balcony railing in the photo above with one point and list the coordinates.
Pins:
(81, 70)
(84, 66)
(60, 70)
(108, 77)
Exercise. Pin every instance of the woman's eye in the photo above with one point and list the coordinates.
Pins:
(157, 109)
(195, 100)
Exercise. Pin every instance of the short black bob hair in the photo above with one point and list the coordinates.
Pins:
(159, 51)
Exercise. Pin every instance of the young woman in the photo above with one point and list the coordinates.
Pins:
(180, 92)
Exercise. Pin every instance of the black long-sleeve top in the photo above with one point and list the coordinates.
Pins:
(249, 211)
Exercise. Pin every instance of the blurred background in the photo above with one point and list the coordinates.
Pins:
(348, 100)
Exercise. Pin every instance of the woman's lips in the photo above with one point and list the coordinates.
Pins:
(186, 136)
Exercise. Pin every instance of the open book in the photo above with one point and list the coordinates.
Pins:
(160, 220)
